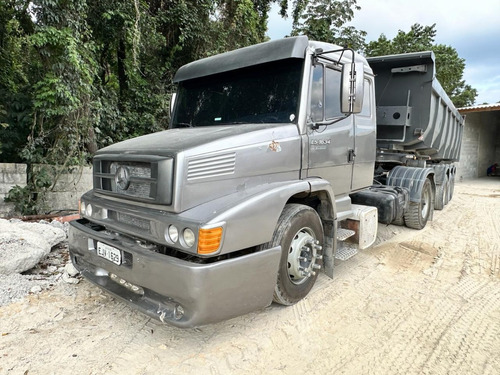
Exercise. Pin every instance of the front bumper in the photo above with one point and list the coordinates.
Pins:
(175, 291)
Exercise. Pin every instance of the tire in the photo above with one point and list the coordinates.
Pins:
(399, 221)
(451, 187)
(300, 233)
(418, 213)
(447, 192)
(442, 193)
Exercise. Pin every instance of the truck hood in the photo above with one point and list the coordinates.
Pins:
(173, 141)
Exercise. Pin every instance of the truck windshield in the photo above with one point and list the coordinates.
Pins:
(266, 93)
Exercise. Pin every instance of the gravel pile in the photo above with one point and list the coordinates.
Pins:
(33, 257)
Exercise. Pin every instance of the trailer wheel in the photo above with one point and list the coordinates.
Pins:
(442, 194)
(300, 234)
(451, 187)
(399, 221)
(418, 213)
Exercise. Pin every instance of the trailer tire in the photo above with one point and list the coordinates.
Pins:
(451, 187)
(399, 221)
(442, 194)
(300, 233)
(417, 214)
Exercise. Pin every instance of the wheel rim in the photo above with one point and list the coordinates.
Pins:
(302, 256)
(426, 202)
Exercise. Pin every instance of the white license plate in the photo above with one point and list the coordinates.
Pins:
(109, 252)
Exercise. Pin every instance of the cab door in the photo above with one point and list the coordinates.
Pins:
(331, 147)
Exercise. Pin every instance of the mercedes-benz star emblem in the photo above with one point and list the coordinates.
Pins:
(122, 178)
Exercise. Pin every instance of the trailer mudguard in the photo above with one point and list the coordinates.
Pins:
(441, 171)
(413, 179)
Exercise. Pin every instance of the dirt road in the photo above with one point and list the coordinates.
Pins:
(422, 302)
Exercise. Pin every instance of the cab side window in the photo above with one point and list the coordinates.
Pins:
(317, 94)
(332, 93)
(366, 110)
(325, 93)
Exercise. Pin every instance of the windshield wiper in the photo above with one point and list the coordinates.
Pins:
(233, 123)
(183, 125)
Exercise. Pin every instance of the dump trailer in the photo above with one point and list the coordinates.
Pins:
(280, 158)
(417, 126)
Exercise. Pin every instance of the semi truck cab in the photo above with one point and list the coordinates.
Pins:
(250, 192)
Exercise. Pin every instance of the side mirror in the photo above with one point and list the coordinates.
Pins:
(172, 102)
(352, 87)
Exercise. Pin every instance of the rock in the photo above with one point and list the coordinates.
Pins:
(36, 289)
(20, 249)
(68, 279)
(49, 232)
(23, 245)
(71, 270)
(62, 226)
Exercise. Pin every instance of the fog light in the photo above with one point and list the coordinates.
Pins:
(188, 237)
(172, 234)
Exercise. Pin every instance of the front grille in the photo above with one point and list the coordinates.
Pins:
(140, 179)
(135, 179)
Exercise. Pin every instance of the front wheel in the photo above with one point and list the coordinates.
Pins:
(418, 213)
(300, 234)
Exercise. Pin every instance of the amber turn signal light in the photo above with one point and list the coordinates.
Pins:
(209, 240)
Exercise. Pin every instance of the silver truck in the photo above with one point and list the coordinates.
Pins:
(270, 170)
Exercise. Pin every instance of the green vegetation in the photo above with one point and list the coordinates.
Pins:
(77, 75)
(325, 20)
(449, 66)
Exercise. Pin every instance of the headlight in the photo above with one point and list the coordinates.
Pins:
(82, 208)
(188, 237)
(88, 209)
(172, 234)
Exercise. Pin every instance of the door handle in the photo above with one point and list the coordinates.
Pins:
(351, 155)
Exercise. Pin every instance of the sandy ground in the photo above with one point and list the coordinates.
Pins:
(422, 302)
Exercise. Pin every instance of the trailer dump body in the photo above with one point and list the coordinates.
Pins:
(414, 114)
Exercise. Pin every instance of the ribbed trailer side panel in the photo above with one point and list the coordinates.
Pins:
(414, 114)
(445, 127)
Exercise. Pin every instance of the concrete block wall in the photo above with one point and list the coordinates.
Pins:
(480, 144)
(11, 174)
(69, 188)
(467, 167)
(488, 137)
(64, 196)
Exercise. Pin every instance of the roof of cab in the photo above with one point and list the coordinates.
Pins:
(261, 53)
(253, 55)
